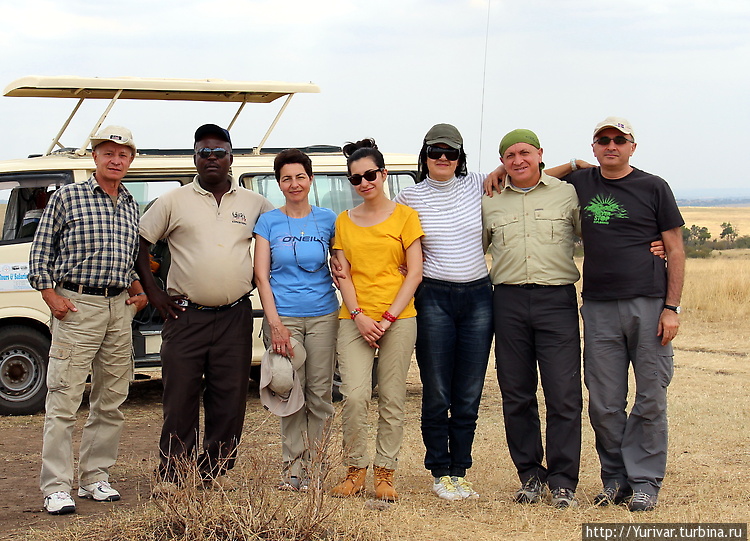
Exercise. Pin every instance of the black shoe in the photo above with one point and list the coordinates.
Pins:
(642, 501)
(563, 498)
(613, 495)
(530, 492)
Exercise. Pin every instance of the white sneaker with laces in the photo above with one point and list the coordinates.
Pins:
(100, 491)
(59, 503)
(445, 489)
(464, 488)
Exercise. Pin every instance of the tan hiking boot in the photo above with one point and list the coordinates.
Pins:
(353, 484)
(384, 484)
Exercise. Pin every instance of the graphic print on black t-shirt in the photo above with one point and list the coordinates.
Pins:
(604, 208)
(619, 220)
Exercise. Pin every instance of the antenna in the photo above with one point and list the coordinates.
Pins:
(484, 80)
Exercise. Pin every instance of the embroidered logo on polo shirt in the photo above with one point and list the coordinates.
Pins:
(604, 208)
(239, 218)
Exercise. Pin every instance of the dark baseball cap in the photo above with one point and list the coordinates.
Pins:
(208, 130)
(444, 133)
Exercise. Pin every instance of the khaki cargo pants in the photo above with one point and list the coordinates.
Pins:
(96, 339)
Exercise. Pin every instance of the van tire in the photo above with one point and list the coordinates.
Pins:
(24, 354)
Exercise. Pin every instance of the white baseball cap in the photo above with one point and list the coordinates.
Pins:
(280, 389)
(116, 134)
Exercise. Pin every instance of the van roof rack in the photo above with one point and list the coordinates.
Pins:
(310, 149)
(136, 88)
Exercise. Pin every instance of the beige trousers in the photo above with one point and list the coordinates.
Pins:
(356, 359)
(302, 432)
(96, 339)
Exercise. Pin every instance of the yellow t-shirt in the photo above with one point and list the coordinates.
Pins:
(375, 254)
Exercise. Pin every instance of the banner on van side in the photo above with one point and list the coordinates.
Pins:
(13, 277)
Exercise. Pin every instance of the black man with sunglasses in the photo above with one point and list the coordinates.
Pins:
(630, 312)
(207, 335)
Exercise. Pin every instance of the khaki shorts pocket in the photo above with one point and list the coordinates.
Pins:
(58, 369)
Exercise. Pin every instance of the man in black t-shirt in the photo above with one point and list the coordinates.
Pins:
(630, 313)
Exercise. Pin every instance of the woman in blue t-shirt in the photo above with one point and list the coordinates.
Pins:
(292, 246)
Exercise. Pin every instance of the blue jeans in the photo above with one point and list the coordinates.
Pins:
(454, 334)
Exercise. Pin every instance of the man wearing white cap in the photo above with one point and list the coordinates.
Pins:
(630, 313)
(82, 261)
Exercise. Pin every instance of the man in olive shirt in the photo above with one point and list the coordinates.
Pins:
(207, 336)
(530, 228)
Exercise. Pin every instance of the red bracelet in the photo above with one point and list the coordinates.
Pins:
(389, 317)
(354, 313)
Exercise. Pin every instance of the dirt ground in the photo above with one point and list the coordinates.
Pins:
(707, 477)
(20, 460)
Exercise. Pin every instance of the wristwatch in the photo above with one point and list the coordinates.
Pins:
(675, 309)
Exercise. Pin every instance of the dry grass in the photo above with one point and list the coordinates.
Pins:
(718, 288)
(713, 217)
(708, 479)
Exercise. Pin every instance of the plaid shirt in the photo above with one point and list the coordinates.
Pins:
(83, 238)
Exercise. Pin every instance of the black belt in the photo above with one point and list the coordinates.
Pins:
(532, 286)
(89, 290)
(217, 308)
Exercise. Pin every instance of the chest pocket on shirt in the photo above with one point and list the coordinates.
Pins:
(506, 229)
(552, 226)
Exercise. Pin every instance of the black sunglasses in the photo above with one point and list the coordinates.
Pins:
(324, 260)
(619, 140)
(369, 176)
(435, 153)
(205, 153)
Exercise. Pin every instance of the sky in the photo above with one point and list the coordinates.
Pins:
(679, 70)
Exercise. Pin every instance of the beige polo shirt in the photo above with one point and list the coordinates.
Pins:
(210, 244)
(530, 234)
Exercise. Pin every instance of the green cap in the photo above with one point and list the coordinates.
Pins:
(519, 136)
(446, 134)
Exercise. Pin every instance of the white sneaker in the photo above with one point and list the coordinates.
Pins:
(445, 489)
(101, 491)
(464, 488)
(59, 503)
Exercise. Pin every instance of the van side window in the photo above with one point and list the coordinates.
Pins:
(329, 190)
(23, 197)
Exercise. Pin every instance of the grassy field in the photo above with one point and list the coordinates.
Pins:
(713, 217)
(708, 479)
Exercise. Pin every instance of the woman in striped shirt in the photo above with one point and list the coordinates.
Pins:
(454, 307)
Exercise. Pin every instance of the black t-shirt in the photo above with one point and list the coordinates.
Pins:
(619, 220)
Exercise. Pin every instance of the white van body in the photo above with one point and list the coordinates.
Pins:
(25, 185)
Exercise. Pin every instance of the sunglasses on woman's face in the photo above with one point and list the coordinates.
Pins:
(435, 153)
(369, 176)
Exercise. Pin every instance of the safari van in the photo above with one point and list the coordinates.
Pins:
(26, 184)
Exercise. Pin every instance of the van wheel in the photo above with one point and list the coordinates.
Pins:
(24, 354)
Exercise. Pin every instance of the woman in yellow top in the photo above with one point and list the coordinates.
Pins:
(372, 240)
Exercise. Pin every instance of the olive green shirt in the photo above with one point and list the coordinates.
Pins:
(530, 234)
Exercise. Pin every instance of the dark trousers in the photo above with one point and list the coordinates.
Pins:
(454, 334)
(217, 346)
(539, 327)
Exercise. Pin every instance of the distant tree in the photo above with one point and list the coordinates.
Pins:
(743, 242)
(729, 232)
(695, 241)
(698, 235)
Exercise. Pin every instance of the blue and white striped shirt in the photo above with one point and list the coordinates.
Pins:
(451, 216)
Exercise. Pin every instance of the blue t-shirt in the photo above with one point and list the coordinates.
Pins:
(300, 278)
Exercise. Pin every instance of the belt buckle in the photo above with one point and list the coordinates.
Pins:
(106, 291)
